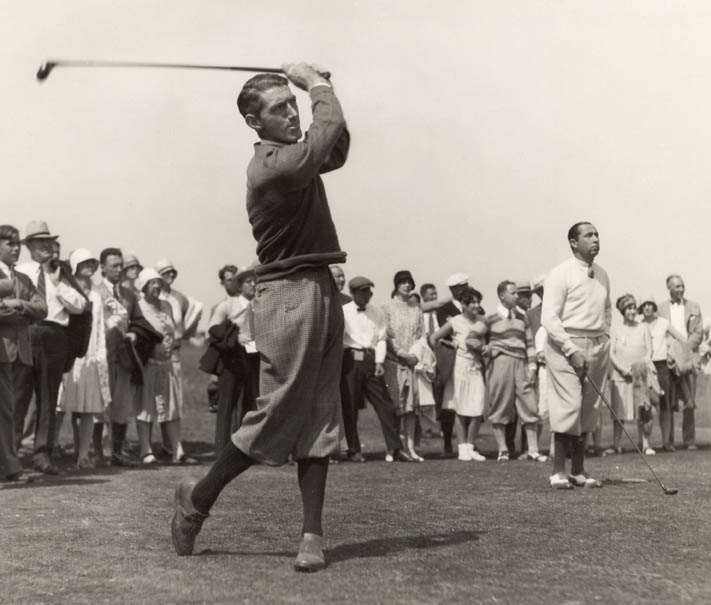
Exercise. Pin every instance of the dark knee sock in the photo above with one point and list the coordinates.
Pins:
(447, 425)
(312, 482)
(577, 465)
(230, 463)
(96, 439)
(118, 436)
(561, 441)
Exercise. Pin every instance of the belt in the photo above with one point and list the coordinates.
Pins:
(365, 352)
(51, 324)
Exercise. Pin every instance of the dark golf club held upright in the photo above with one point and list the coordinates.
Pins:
(669, 491)
(47, 67)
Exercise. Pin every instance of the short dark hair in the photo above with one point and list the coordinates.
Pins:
(574, 231)
(674, 276)
(9, 232)
(106, 252)
(250, 97)
(501, 288)
(469, 295)
(226, 269)
(425, 287)
(416, 296)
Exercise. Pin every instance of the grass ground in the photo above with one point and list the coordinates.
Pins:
(441, 531)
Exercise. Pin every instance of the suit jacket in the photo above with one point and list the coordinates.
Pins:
(14, 333)
(692, 317)
(115, 334)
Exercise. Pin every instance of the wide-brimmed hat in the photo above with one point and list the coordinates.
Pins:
(625, 301)
(164, 266)
(403, 276)
(131, 260)
(79, 256)
(457, 279)
(359, 282)
(38, 230)
(523, 286)
(147, 275)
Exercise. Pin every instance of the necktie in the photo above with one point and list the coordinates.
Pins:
(116, 292)
(431, 325)
(591, 272)
(510, 313)
(361, 309)
(41, 286)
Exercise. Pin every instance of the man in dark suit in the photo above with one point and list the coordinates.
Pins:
(445, 352)
(120, 309)
(20, 305)
(685, 316)
(50, 338)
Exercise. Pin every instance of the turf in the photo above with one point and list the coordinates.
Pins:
(440, 531)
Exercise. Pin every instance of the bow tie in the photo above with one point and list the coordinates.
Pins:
(361, 309)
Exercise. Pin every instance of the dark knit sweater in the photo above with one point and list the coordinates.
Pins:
(286, 199)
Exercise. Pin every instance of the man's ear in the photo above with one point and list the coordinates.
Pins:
(253, 122)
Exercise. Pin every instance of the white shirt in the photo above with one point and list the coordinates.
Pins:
(658, 331)
(576, 304)
(457, 304)
(676, 317)
(430, 316)
(6, 270)
(62, 300)
(365, 329)
(240, 312)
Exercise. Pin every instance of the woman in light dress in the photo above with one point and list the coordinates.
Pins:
(631, 367)
(404, 328)
(465, 391)
(160, 396)
(86, 392)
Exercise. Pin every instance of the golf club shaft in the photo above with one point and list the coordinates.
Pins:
(82, 63)
(617, 419)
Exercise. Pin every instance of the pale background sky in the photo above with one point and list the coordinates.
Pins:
(481, 130)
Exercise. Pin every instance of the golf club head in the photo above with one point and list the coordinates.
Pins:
(670, 491)
(44, 70)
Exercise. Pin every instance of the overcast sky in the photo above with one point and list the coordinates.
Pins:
(481, 130)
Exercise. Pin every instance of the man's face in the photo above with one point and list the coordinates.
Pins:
(457, 290)
(231, 285)
(41, 250)
(339, 277)
(676, 288)
(278, 120)
(588, 241)
(9, 251)
(249, 285)
(429, 295)
(56, 249)
(362, 296)
(112, 268)
(509, 297)
(524, 299)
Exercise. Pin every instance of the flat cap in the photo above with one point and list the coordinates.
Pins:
(359, 282)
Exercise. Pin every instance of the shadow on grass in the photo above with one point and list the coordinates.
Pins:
(379, 547)
(57, 481)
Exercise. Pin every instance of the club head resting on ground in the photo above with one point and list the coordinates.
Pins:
(44, 70)
(670, 491)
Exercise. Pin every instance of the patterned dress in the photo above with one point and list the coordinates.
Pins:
(465, 391)
(86, 385)
(405, 326)
(161, 395)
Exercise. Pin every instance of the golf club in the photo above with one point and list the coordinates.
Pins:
(669, 491)
(46, 68)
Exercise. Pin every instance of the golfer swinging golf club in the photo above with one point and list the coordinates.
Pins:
(297, 313)
(576, 314)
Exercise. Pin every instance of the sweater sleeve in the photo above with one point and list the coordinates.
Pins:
(555, 288)
(292, 167)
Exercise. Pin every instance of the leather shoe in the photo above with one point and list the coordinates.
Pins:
(403, 456)
(121, 460)
(43, 464)
(310, 557)
(187, 520)
(15, 477)
(356, 457)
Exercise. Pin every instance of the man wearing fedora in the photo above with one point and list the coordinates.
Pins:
(50, 338)
(20, 305)
(237, 390)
